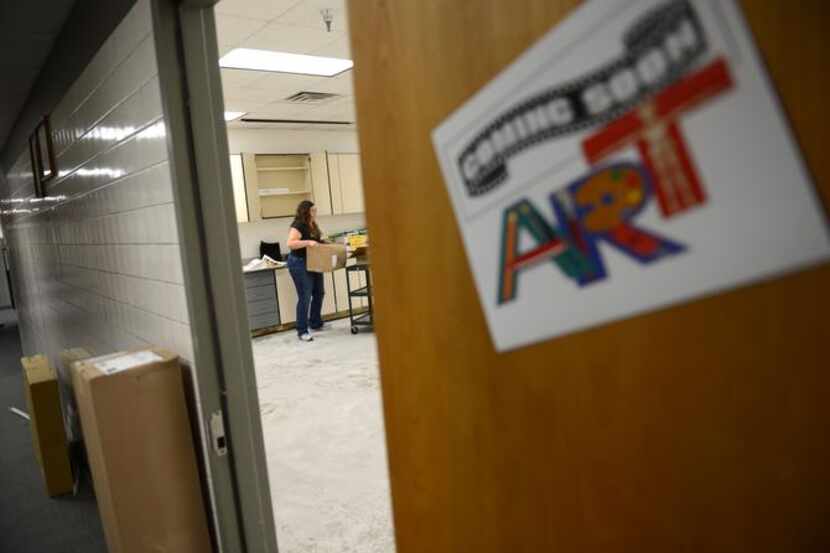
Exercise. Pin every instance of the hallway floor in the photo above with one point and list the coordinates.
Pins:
(324, 440)
(30, 521)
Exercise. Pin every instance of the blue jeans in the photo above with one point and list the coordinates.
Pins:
(310, 293)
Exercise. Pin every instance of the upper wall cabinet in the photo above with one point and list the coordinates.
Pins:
(346, 183)
(275, 184)
(240, 197)
(271, 185)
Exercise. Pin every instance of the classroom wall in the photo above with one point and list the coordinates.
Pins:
(103, 269)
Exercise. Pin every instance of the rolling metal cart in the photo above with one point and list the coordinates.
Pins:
(366, 318)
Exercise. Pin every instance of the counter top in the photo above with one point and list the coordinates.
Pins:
(263, 269)
(357, 261)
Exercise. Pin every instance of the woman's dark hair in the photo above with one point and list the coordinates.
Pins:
(303, 216)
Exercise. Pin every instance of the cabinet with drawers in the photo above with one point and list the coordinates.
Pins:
(261, 297)
(272, 297)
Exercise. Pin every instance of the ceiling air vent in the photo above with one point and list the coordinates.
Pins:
(307, 97)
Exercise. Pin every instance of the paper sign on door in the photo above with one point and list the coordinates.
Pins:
(633, 158)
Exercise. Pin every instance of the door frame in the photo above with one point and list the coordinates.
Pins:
(191, 89)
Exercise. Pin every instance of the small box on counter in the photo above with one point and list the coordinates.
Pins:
(48, 437)
(141, 452)
(358, 241)
(359, 246)
(325, 258)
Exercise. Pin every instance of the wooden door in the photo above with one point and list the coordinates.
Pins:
(703, 427)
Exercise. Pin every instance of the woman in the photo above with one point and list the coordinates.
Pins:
(305, 233)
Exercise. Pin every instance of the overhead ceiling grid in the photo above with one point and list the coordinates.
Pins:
(291, 26)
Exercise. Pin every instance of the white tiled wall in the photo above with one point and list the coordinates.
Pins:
(103, 269)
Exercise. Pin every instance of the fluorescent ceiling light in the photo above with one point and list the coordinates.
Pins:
(283, 62)
(231, 115)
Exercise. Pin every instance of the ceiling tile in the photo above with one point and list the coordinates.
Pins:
(282, 85)
(236, 78)
(281, 110)
(341, 84)
(339, 48)
(292, 26)
(289, 38)
(246, 106)
(339, 110)
(307, 14)
(248, 94)
(225, 48)
(265, 10)
(232, 30)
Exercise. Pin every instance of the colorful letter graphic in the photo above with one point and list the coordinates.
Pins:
(602, 205)
(549, 245)
(597, 207)
(654, 128)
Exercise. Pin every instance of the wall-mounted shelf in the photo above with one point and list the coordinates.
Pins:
(276, 183)
(263, 192)
(267, 169)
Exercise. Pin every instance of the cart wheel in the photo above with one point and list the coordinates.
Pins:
(354, 330)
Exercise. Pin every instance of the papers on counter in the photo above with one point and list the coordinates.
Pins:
(260, 264)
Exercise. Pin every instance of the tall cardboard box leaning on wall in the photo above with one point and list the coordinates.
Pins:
(137, 433)
(48, 438)
(325, 258)
(70, 407)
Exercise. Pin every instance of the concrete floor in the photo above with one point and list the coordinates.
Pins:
(30, 521)
(324, 440)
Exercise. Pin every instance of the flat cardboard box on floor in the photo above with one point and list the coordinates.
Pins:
(48, 438)
(325, 258)
(141, 452)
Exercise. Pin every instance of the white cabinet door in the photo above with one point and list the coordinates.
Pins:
(336, 187)
(351, 183)
(346, 183)
(320, 190)
(329, 303)
(240, 196)
(340, 290)
(251, 187)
